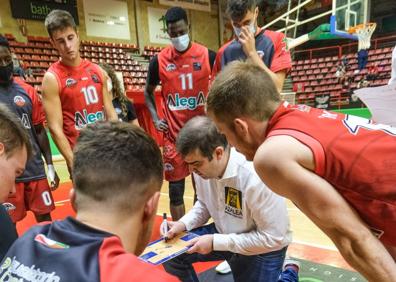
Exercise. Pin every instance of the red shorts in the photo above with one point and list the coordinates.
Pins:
(174, 167)
(35, 196)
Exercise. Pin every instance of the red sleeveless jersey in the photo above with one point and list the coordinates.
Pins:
(80, 92)
(185, 83)
(355, 155)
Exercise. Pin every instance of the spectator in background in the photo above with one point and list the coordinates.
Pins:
(362, 58)
(122, 105)
(341, 73)
(373, 71)
(18, 70)
(393, 75)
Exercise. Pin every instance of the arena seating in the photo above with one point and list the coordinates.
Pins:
(311, 77)
(150, 51)
(316, 76)
(37, 55)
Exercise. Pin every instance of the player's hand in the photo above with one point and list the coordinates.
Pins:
(175, 228)
(202, 245)
(248, 42)
(53, 177)
(161, 125)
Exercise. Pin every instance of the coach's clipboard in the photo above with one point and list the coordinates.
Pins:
(159, 251)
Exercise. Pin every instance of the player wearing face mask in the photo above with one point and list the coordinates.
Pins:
(32, 189)
(184, 70)
(264, 47)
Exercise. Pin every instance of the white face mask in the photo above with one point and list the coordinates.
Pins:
(181, 43)
(109, 85)
(251, 27)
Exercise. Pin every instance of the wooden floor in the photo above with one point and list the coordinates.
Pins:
(308, 241)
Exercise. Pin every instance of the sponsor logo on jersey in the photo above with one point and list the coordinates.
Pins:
(14, 270)
(170, 67)
(83, 118)
(95, 78)
(177, 103)
(197, 66)
(185, 66)
(70, 82)
(19, 101)
(84, 78)
(233, 202)
(42, 239)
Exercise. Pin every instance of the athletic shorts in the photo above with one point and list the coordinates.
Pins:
(35, 196)
(175, 168)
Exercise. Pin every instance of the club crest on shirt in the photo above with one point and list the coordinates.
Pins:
(168, 167)
(170, 67)
(95, 78)
(261, 54)
(19, 101)
(70, 82)
(197, 66)
(233, 202)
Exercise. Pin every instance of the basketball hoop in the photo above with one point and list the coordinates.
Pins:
(363, 33)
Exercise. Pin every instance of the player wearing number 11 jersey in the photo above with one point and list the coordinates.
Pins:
(184, 70)
(74, 89)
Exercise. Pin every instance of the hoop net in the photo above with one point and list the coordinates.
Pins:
(363, 33)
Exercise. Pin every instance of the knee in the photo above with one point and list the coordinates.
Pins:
(176, 192)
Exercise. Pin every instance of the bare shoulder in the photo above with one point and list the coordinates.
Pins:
(49, 77)
(49, 84)
(277, 151)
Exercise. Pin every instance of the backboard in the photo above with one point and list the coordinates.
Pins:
(347, 14)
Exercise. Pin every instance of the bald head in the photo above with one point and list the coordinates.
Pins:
(200, 133)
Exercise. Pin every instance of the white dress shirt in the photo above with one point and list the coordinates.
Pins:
(250, 218)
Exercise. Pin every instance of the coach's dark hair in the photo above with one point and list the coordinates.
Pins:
(12, 134)
(242, 89)
(175, 14)
(237, 9)
(200, 133)
(117, 164)
(59, 20)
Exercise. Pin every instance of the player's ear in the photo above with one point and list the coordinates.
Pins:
(2, 149)
(150, 207)
(72, 196)
(241, 127)
(219, 152)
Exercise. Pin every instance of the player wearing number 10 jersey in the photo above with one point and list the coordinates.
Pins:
(184, 70)
(74, 90)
